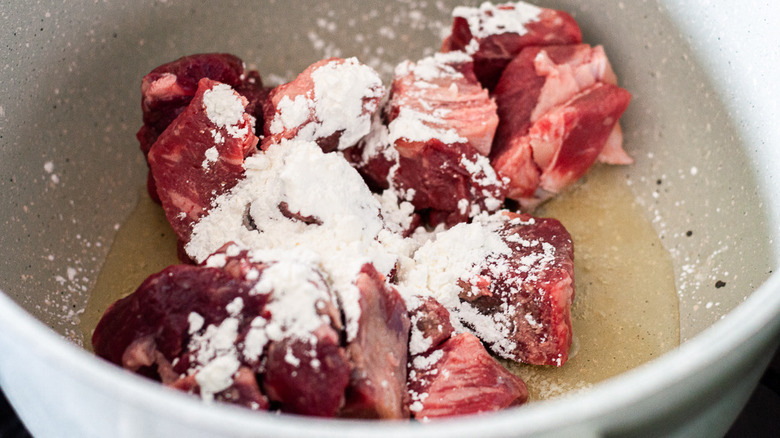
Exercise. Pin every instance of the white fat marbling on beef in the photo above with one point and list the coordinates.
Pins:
(489, 19)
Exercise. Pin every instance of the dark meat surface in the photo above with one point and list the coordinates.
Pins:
(377, 387)
(188, 322)
(194, 160)
(430, 325)
(496, 45)
(527, 294)
(168, 89)
(460, 378)
(149, 331)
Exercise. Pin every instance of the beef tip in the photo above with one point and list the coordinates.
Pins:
(525, 295)
(297, 339)
(508, 279)
(171, 329)
(330, 103)
(430, 322)
(168, 89)
(306, 379)
(460, 378)
(495, 34)
(445, 87)
(201, 154)
(541, 78)
(378, 353)
(234, 329)
(563, 143)
(439, 119)
(537, 91)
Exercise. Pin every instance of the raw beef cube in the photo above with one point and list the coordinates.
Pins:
(297, 338)
(169, 330)
(304, 379)
(168, 89)
(525, 295)
(330, 103)
(218, 328)
(461, 378)
(563, 143)
(378, 353)
(541, 78)
(425, 153)
(201, 154)
(495, 34)
(451, 181)
(444, 86)
(430, 324)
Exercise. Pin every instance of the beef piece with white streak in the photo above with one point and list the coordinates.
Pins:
(330, 103)
(151, 332)
(439, 120)
(201, 154)
(561, 145)
(168, 89)
(378, 353)
(230, 327)
(495, 34)
(522, 299)
(539, 144)
(459, 378)
(430, 324)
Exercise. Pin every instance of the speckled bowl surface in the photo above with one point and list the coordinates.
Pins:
(703, 120)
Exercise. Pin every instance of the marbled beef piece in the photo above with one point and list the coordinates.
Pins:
(438, 119)
(330, 103)
(444, 86)
(563, 143)
(231, 326)
(525, 295)
(460, 377)
(168, 89)
(378, 353)
(201, 154)
(541, 78)
(430, 324)
(495, 34)
(297, 339)
(163, 329)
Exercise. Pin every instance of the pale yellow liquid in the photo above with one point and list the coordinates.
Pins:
(625, 310)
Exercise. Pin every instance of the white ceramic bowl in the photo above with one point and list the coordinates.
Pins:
(704, 80)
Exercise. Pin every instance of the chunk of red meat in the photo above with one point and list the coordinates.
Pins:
(495, 34)
(306, 379)
(439, 118)
(563, 144)
(330, 103)
(168, 89)
(461, 378)
(149, 331)
(451, 181)
(378, 353)
(194, 160)
(528, 292)
(445, 87)
(430, 325)
(541, 78)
